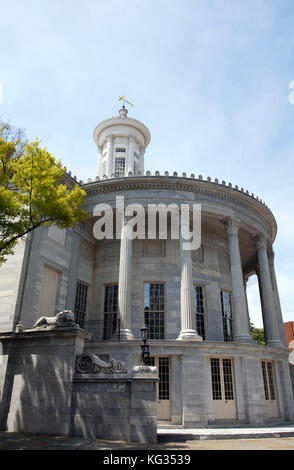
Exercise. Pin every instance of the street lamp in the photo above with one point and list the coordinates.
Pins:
(145, 355)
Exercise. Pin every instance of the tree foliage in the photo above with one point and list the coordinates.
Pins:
(32, 191)
(257, 334)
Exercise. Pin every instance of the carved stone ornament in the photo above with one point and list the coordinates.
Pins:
(63, 319)
(88, 363)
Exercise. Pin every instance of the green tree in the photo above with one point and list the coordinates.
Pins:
(32, 190)
(257, 334)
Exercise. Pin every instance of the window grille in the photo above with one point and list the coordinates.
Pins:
(227, 315)
(81, 303)
(110, 310)
(163, 372)
(120, 164)
(268, 380)
(216, 379)
(199, 310)
(222, 379)
(228, 379)
(154, 305)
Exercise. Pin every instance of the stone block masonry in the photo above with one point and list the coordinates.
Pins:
(40, 391)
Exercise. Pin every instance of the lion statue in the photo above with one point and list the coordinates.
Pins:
(64, 318)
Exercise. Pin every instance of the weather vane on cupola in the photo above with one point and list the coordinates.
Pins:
(124, 100)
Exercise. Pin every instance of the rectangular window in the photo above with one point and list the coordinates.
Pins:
(228, 379)
(163, 386)
(120, 150)
(222, 379)
(199, 308)
(110, 310)
(268, 380)
(48, 294)
(154, 306)
(81, 303)
(119, 168)
(216, 379)
(163, 372)
(227, 315)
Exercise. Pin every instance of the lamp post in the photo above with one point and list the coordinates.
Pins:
(145, 355)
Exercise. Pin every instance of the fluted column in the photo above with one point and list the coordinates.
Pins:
(141, 161)
(130, 166)
(188, 333)
(109, 164)
(125, 281)
(268, 304)
(279, 316)
(240, 316)
(99, 163)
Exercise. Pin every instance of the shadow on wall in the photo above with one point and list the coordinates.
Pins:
(42, 393)
(39, 385)
(116, 409)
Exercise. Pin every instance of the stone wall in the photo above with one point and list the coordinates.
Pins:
(40, 391)
(119, 408)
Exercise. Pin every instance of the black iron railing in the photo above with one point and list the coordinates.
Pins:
(106, 329)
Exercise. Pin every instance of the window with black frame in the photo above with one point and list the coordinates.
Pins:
(199, 308)
(154, 307)
(81, 303)
(110, 322)
(119, 166)
(227, 315)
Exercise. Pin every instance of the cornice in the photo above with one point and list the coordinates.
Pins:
(124, 121)
(209, 188)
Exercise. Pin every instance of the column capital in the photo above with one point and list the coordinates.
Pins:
(131, 138)
(261, 241)
(231, 226)
(110, 138)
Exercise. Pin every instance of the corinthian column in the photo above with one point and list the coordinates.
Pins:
(240, 313)
(125, 282)
(268, 303)
(188, 333)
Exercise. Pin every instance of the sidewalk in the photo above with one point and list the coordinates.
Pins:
(180, 434)
(231, 441)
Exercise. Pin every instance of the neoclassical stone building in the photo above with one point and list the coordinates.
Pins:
(194, 302)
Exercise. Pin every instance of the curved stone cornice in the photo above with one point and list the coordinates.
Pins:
(117, 120)
(208, 188)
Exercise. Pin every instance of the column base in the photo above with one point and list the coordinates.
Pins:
(189, 335)
(245, 338)
(274, 342)
(126, 335)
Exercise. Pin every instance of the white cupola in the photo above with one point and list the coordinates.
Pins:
(121, 143)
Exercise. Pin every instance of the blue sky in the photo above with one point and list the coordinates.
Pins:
(210, 79)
